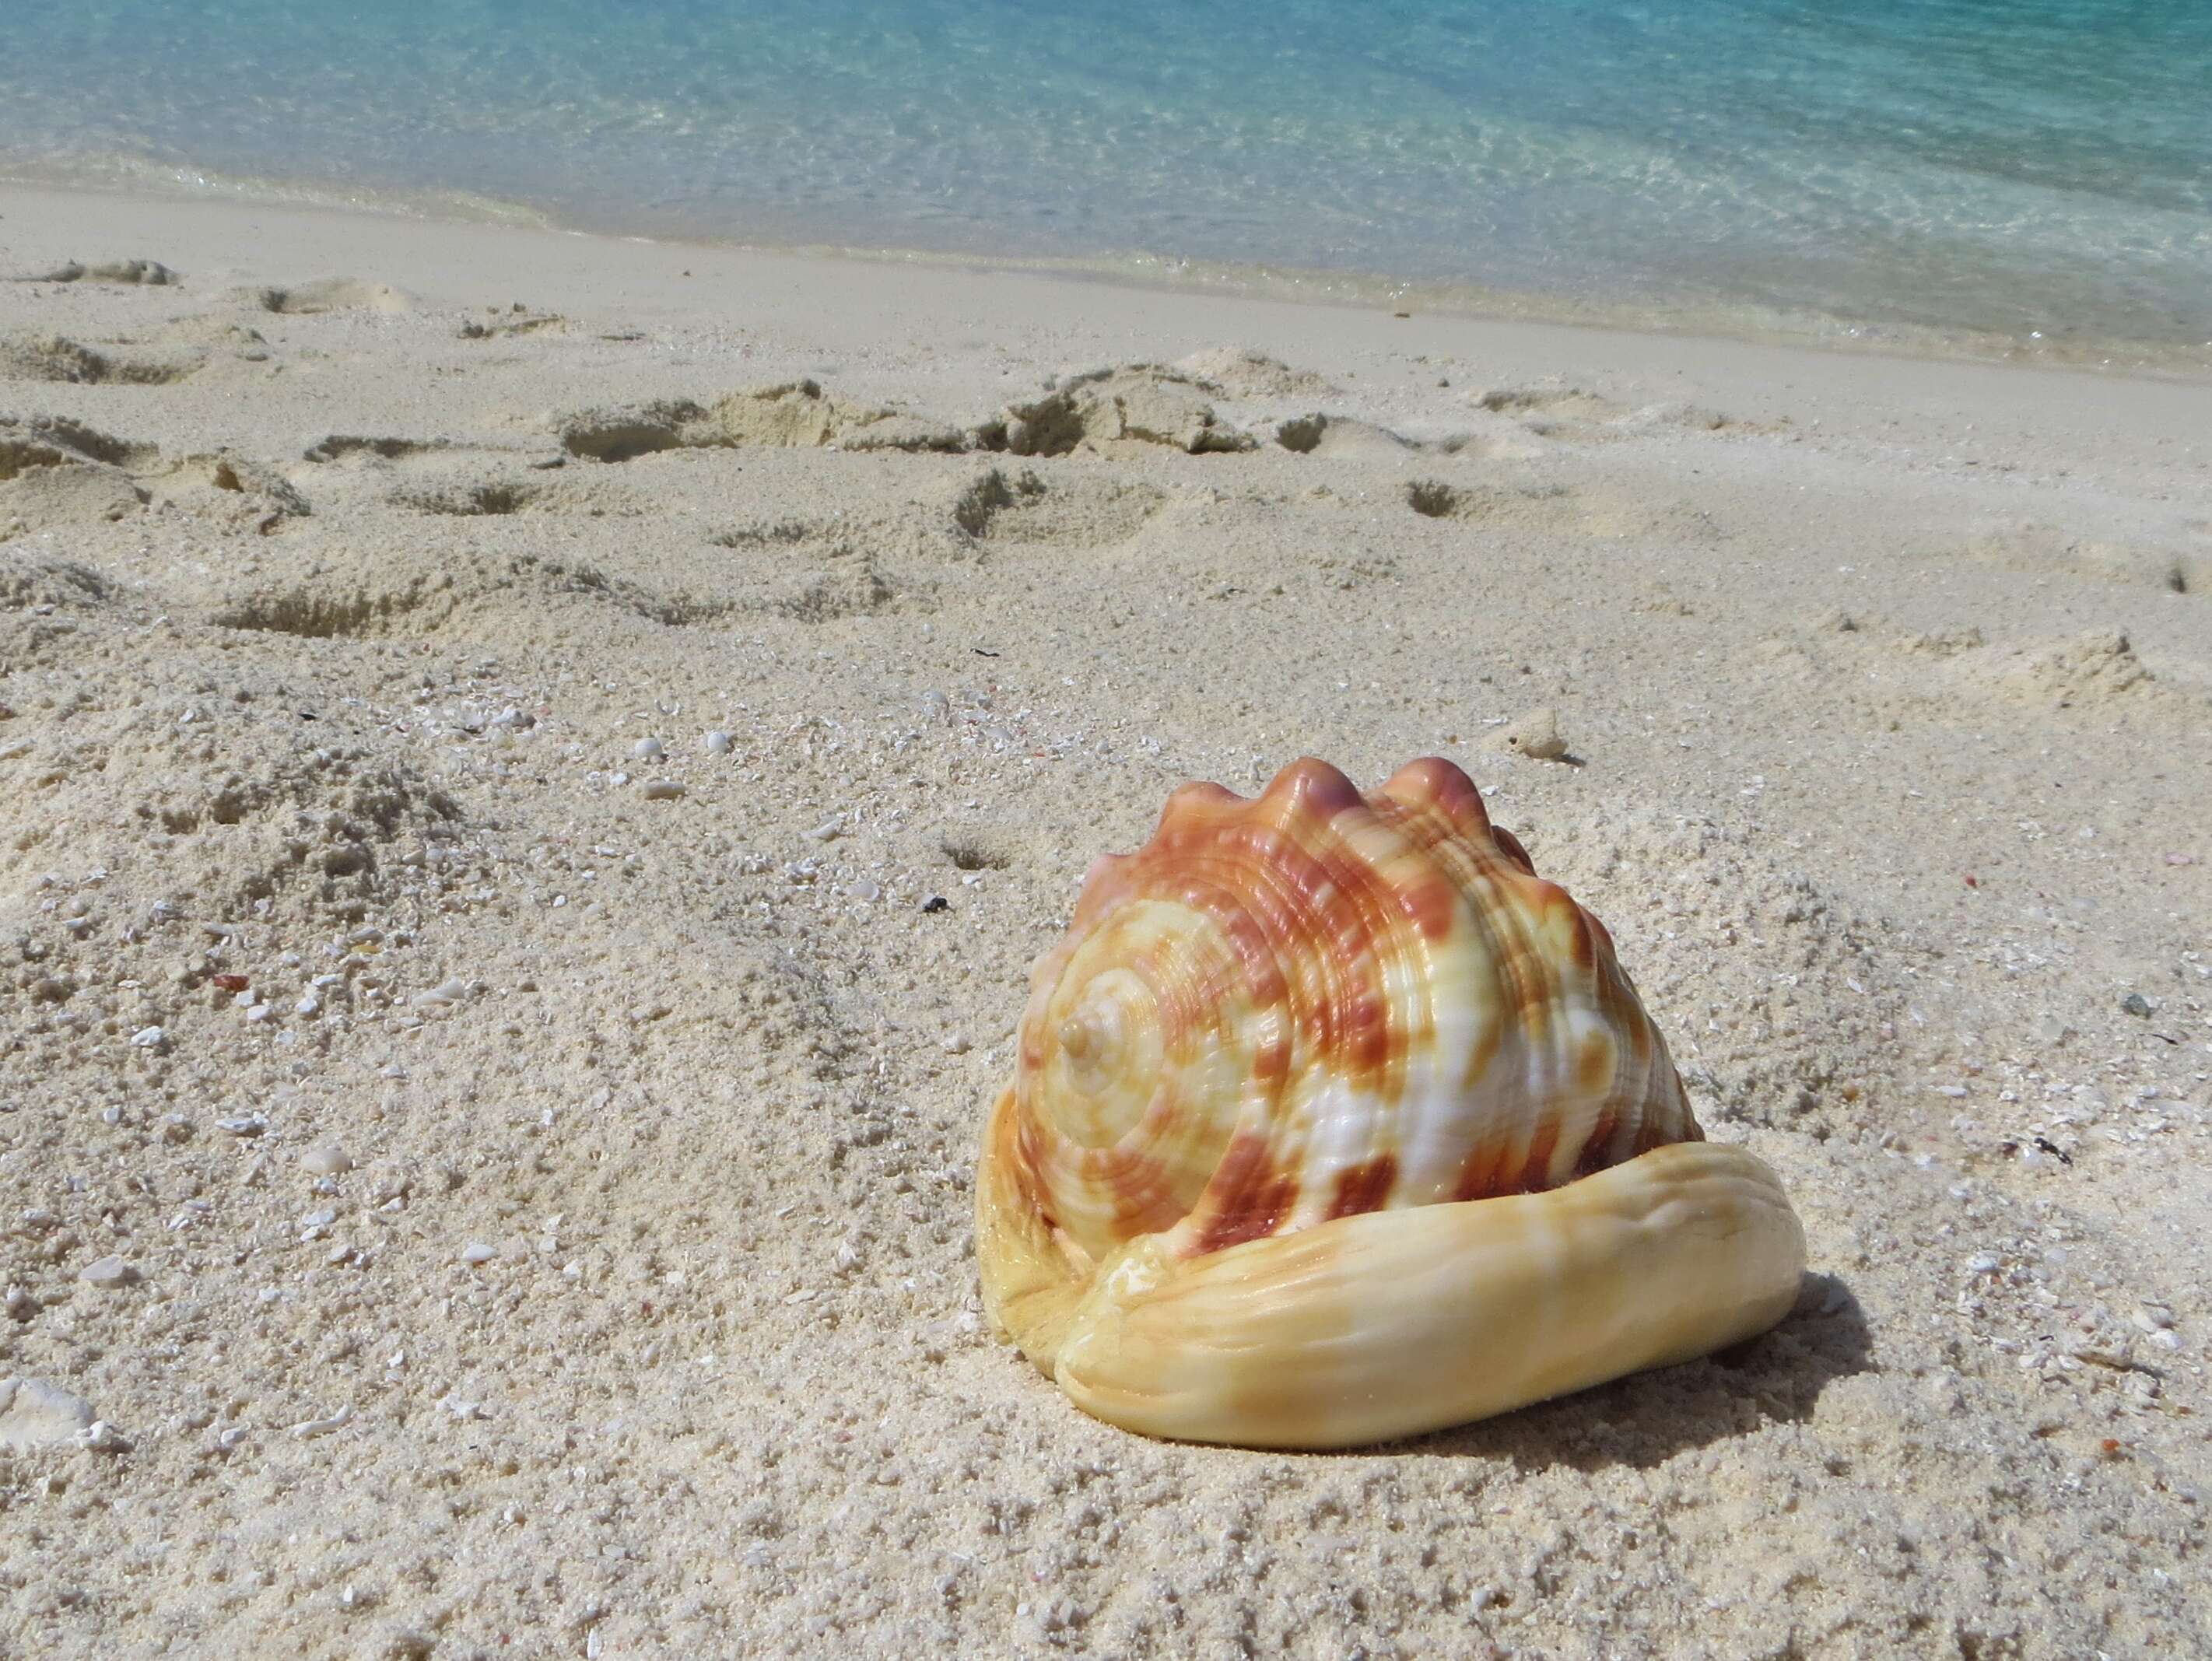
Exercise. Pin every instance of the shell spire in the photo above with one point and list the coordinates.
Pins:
(1333, 1121)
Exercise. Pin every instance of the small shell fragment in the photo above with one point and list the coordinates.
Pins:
(312, 1427)
(109, 1274)
(1536, 735)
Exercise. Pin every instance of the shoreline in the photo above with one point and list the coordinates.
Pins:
(1688, 319)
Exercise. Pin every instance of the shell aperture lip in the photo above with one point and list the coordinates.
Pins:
(1286, 1015)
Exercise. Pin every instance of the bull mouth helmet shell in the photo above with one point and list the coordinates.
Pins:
(1333, 1123)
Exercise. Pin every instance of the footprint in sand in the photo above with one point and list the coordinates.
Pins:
(417, 591)
(2046, 549)
(343, 447)
(1560, 509)
(58, 359)
(490, 498)
(1947, 671)
(790, 415)
(1576, 414)
(329, 293)
(1061, 507)
(1339, 437)
(1348, 438)
(516, 320)
(813, 570)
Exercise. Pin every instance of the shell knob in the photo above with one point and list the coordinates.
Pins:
(1332, 1121)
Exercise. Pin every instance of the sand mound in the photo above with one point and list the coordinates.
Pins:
(231, 490)
(1339, 437)
(1241, 371)
(235, 819)
(2094, 668)
(1138, 403)
(127, 272)
(55, 472)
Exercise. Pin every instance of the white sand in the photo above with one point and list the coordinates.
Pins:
(1886, 688)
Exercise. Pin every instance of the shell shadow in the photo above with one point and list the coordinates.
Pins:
(1645, 1419)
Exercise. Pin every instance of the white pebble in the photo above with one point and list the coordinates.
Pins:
(325, 1161)
(322, 1219)
(954, 1044)
(1983, 1262)
(647, 749)
(475, 1251)
(865, 890)
(150, 1038)
(243, 1125)
(100, 1436)
(446, 992)
(718, 743)
(34, 1413)
(828, 828)
(109, 1273)
(664, 790)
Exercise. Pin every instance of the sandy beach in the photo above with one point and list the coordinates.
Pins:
(532, 772)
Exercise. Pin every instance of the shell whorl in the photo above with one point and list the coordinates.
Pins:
(1333, 1122)
(1315, 1004)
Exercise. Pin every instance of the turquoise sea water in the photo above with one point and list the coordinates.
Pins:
(1958, 165)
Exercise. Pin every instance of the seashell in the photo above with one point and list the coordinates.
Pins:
(1333, 1121)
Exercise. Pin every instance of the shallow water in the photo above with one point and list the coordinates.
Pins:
(1950, 165)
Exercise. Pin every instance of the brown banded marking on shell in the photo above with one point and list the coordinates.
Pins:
(1285, 1015)
(1313, 1005)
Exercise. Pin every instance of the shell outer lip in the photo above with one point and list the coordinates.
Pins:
(1392, 1323)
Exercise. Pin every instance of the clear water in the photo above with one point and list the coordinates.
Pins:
(1958, 165)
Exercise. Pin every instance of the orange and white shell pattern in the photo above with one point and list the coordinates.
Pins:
(1291, 1020)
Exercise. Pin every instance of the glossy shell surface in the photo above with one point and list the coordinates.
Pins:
(1291, 1041)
